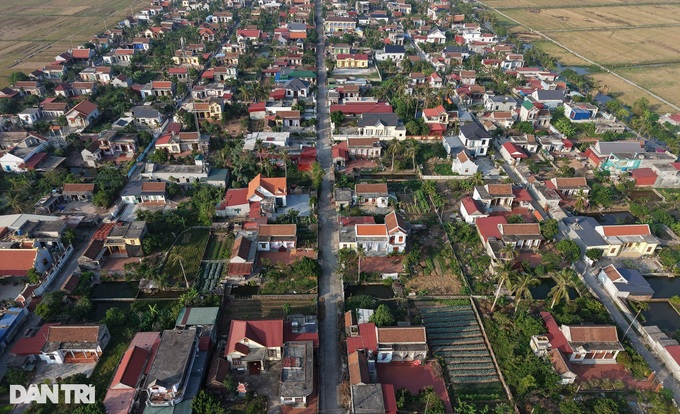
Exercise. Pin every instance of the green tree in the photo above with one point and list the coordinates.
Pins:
(549, 228)
(504, 275)
(206, 403)
(594, 254)
(563, 281)
(317, 174)
(34, 277)
(521, 287)
(15, 77)
(96, 408)
(640, 106)
(69, 236)
(569, 249)
(393, 149)
(337, 117)
(382, 316)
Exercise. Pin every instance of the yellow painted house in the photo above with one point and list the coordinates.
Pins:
(212, 108)
(352, 61)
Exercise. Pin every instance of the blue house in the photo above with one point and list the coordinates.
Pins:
(10, 322)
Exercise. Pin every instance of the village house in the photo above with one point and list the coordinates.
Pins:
(375, 239)
(234, 204)
(82, 115)
(584, 344)
(77, 192)
(333, 24)
(270, 192)
(139, 192)
(475, 139)
(625, 283)
(297, 378)
(147, 116)
(372, 194)
(633, 240)
(158, 88)
(383, 126)
(569, 186)
(463, 165)
(362, 148)
(351, 61)
(494, 195)
(396, 53)
(276, 237)
(65, 344)
(251, 345)
(25, 154)
(182, 143)
(471, 210)
(168, 376)
(512, 154)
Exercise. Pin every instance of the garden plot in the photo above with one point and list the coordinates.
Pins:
(454, 334)
(415, 204)
(210, 276)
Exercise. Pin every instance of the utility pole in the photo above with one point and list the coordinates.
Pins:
(184, 273)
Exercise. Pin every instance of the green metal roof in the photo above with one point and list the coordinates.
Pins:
(299, 74)
(197, 316)
(527, 105)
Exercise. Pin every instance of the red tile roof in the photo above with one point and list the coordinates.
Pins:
(367, 339)
(32, 345)
(17, 262)
(240, 269)
(71, 187)
(522, 194)
(289, 335)
(389, 399)
(268, 333)
(674, 351)
(514, 151)
(555, 335)
(35, 160)
(85, 108)
(414, 378)
(130, 368)
(383, 264)
(488, 227)
(626, 230)
(369, 230)
(275, 185)
(470, 206)
(352, 220)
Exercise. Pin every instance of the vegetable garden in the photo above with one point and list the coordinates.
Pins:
(455, 336)
(219, 247)
(416, 203)
(209, 278)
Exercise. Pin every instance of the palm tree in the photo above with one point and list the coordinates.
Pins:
(400, 83)
(477, 179)
(245, 92)
(393, 149)
(521, 290)
(410, 150)
(361, 254)
(509, 252)
(504, 274)
(581, 201)
(563, 281)
(260, 149)
(176, 258)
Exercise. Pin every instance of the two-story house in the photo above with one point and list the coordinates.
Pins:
(270, 192)
(252, 344)
(125, 239)
(475, 139)
(178, 143)
(168, 376)
(82, 115)
(383, 126)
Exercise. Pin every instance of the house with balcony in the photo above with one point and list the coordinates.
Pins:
(375, 239)
(25, 154)
(125, 239)
(475, 139)
(252, 345)
(158, 89)
(401, 344)
(66, 344)
(495, 232)
(146, 116)
(631, 240)
(599, 154)
(363, 148)
(494, 195)
(270, 192)
(166, 382)
(276, 237)
(141, 192)
(584, 344)
(182, 143)
(383, 126)
(82, 115)
(569, 186)
(371, 194)
(334, 24)
(359, 61)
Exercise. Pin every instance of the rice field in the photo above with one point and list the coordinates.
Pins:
(639, 40)
(33, 32)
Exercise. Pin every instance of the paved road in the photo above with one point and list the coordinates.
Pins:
(662, 373)
(330, 285)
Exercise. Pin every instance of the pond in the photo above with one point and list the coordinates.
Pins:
(578, 69)
(115, 290)
(244, 291)
(612, 218)
(542, 291)
(664, 287)
(662, 315)
(379, 291)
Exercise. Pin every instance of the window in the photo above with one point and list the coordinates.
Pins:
(271, 353)
(612, 251)
(649, 249)
(236, 361)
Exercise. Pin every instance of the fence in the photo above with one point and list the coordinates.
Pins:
(54, 270)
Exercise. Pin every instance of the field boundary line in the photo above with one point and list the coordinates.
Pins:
(655, 96)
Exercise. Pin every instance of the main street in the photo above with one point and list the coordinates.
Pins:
(330, 285)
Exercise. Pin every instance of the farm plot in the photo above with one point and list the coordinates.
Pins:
(628, 93)
(454, 334)
(219, 247)
(210, 276)
(414, 204)
(33, 32)
(186, 254)
(259, 307)
(512, 4)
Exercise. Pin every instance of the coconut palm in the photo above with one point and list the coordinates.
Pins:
(563, 281)
(400, 83)
(521, 288)
(504, 276)
(411, 150)
(394, 148)
(175, 258)
(508, 252)
(581, 201)
(361, 254)
(246, 92)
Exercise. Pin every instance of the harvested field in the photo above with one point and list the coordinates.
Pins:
(627, 93)
(617, 34)
(33, 32)
(512, 4)
(583, 18)
(624, 47)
